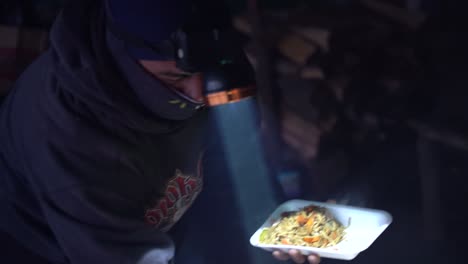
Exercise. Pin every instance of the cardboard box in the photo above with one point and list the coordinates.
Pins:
(18, 48)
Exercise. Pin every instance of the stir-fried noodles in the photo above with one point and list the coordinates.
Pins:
(312, 226)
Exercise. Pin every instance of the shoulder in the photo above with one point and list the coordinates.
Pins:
(60, 142)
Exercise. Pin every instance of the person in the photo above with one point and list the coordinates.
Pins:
(102, 141)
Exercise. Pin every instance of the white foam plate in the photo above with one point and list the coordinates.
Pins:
(365, 227)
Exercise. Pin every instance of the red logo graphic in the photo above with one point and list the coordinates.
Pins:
(181, 191)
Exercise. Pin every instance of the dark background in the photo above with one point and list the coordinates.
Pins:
(396, 141)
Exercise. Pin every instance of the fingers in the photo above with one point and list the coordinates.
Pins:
(296, 256)
(280, 255)
(313, 259)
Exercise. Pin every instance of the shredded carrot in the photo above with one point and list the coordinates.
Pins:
(311, 239)
(309, 224)
(301, 219)
(325, 242)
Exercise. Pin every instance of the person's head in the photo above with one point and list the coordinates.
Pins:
(177, 40)
(153, 21)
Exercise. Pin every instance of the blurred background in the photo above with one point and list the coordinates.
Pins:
(364, 102)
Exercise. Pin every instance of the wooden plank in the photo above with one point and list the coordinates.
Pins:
(300, 135)
(312, 73)
(446, 137)
(296, 49)
(319, 36)
(242, 24)
(411, 18)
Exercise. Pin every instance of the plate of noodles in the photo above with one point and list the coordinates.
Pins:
(329, 230)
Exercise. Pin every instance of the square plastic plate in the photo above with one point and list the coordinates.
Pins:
(365, 226)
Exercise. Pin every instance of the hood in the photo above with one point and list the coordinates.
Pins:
(87, 69)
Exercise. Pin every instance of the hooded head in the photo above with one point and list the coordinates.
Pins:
(186, 44)
(151, 21)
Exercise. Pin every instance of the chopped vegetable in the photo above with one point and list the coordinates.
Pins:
(263, 235)
(311, 239)
(309, 209)
(301, 220)
(310, 224)
(286, 214)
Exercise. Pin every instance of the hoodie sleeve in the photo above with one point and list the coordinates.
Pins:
(84, 176)
(90, 228)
